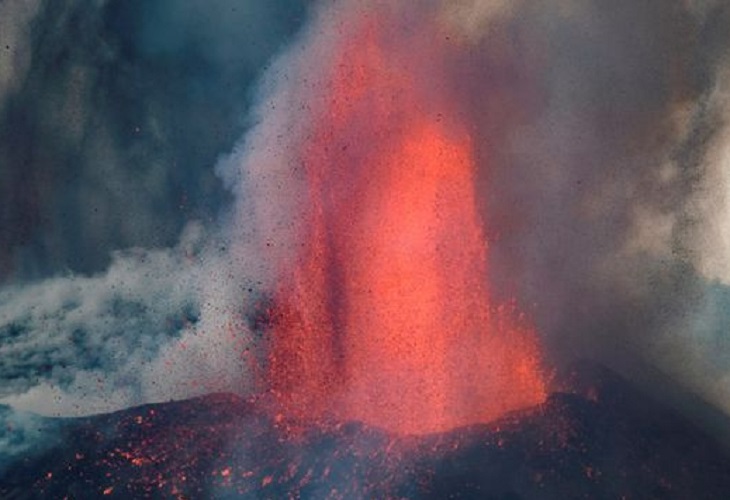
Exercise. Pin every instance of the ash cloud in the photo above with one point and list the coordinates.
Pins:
(601, 132)
(112, 114)
(112, 117)
(601, 178)
(600, 139)
(156, 325)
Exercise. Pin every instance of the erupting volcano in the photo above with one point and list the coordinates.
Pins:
(386, 316)
(364, 249)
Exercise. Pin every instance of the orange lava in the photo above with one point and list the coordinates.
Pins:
(386, 317)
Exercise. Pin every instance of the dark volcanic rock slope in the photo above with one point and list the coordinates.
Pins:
(613, 443)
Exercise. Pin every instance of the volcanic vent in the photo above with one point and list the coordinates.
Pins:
(386, 316)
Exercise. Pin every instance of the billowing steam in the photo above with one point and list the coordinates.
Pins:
(600, 144)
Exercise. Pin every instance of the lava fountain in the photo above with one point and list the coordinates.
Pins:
(386, 316)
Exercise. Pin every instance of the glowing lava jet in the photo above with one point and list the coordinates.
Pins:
(386, 316)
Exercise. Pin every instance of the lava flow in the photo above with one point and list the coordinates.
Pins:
(386, 317)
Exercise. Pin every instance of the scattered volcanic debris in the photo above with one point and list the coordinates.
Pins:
(611, 442)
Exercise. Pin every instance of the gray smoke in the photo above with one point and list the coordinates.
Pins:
(117, 283)
(112, 115)
(602, 141)
(603, 183)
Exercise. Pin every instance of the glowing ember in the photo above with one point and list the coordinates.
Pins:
(387, 318)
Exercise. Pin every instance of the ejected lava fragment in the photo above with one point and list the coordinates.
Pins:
(614, 443)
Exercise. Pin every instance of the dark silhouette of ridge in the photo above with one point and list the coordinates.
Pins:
(607, 439)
